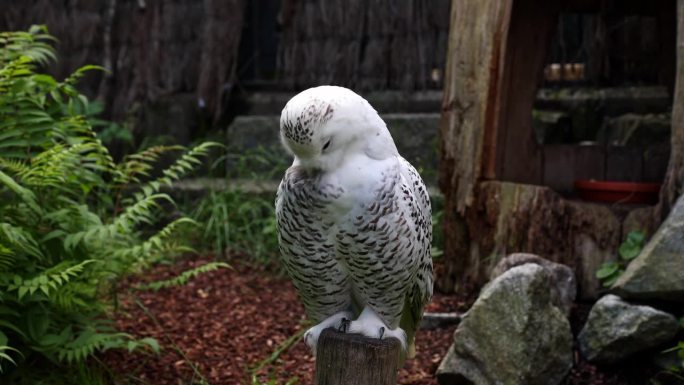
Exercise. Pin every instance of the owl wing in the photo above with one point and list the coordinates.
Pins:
(307, 253)
(385, 243)
(421, 291)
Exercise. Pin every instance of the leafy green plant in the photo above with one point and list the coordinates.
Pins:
(238, 221)
(609, 272)
(183, 277)
(679, 349)
(71, 220)
(255, 163)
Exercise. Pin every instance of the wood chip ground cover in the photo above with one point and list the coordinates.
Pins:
(228, 321)
(223, 324)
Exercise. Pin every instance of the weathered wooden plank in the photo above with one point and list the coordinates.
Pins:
(656, 158)
(368, 45)
(474, 60)
(590, 162)
(559, 166)
(624, 163)
(352, 359)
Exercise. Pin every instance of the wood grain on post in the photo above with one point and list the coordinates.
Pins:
(352, 359)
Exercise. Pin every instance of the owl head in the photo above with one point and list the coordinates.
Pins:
(324, 126)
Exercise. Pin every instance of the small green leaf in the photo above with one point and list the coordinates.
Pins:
(629, 251)
(636, 237)
(607, 269)
(609, 281)
(152, 343)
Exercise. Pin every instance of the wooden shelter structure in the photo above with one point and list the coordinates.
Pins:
(499, 194)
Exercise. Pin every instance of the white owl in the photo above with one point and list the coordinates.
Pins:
(353, 217)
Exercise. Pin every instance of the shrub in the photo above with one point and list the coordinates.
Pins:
(71, 220)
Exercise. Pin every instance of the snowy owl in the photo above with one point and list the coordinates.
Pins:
(353, 217)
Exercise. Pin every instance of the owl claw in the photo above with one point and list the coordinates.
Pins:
(371, 325)
(344, 325)
(311, 335)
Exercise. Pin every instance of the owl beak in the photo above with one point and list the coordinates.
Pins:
(302, 151)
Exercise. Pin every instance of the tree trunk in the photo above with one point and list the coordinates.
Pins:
(472, 71)
(352, 359)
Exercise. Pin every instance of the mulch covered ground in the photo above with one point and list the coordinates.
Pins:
(224, 324)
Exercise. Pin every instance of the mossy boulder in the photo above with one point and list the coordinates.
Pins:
(513, 334)
(616, 329)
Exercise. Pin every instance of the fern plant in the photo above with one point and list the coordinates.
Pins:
(183, 277)
(71, 219)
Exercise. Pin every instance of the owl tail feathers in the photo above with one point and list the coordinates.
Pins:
(410, 320)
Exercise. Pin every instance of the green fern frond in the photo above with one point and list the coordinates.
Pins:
(88, 342)
(157, 243)
(32, 44)
(49, 280)
(14, 166)
(7, 258)
(180, 168)
(75, 296)
(18, 239)
(140, 164)
(79, 73)
(140, 212)
(26, 195)
(184, 277)
(6, 357)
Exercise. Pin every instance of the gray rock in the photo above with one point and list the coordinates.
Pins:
(657, 272)
(564, 280)
(513, 334)
(616, 329)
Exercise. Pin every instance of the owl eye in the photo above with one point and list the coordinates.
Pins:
(327, 144)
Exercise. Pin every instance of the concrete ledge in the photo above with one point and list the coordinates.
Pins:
(200, 186)
(415, 135)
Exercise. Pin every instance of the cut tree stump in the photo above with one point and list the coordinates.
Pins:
(352, 359)
(498, 199)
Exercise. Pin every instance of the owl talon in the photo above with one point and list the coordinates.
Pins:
(382, 332)
(344, 325)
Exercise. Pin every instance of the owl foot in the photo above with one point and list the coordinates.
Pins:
(336, 321)
(344, 325)
(371, 325)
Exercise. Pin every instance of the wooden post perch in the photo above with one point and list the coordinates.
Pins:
(346, 359)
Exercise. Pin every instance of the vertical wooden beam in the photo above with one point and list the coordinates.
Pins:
(352, 359)
(519, 156)
(674, 178)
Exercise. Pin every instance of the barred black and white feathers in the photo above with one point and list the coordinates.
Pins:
(354, 221)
